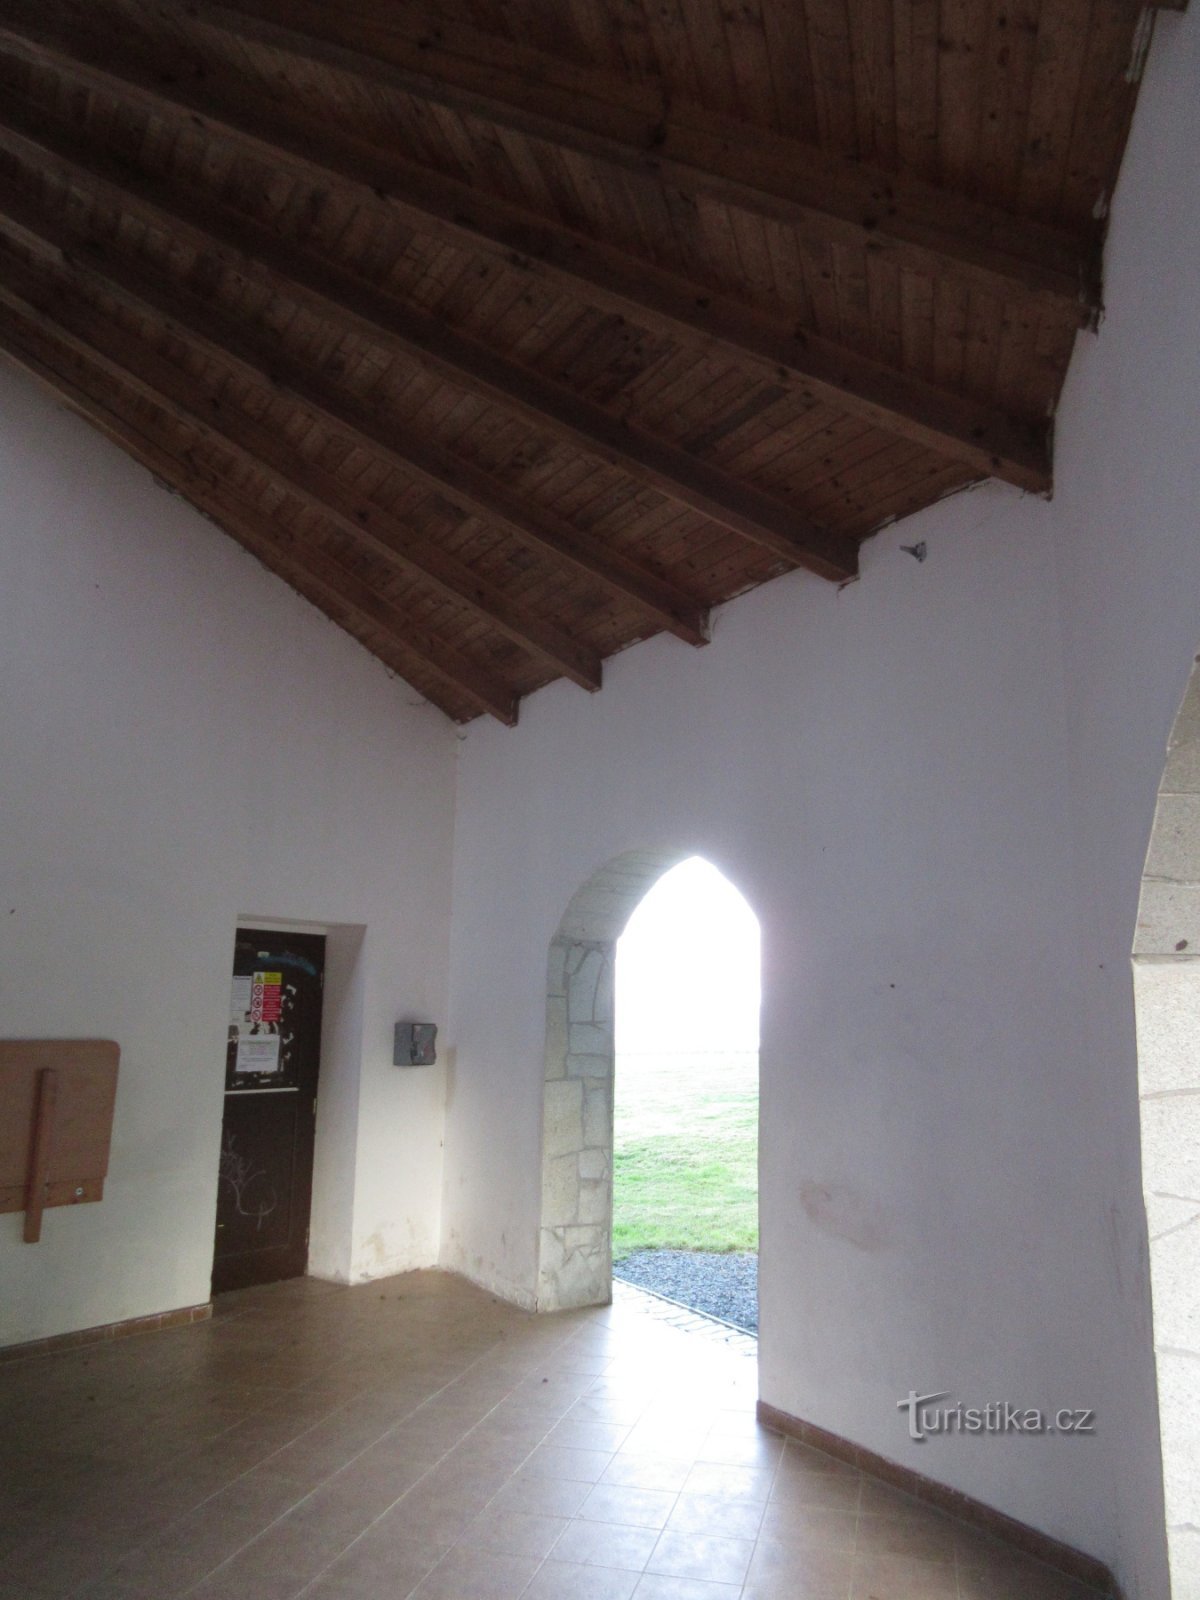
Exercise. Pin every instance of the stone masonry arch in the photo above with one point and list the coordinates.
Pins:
(575, 1238)
(1166, 972)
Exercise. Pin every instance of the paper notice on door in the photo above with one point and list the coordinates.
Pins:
(239, 1001)
(258, 1053)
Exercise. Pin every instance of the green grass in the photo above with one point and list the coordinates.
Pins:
(685, 1167)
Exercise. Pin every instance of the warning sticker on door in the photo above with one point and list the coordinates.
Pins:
(256, 1048)
(266, 997)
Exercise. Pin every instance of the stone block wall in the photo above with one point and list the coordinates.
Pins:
(575, 1265)
(1167, 985)
(575, 1243)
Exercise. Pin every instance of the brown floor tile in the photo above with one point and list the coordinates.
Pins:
(372, 1568)
(700, 1555)
(834, 1490)
(655, 1587)
(556, 1461)
(565, 1580)
(752, 1484)
(58, 1566)
(546, 1497)
(571, 1435)
(606, 1544)
(479, 1574)
(924, 1535)
(801, 1586)
(259, 1494)
(657, 1438)
(881, 1499)
(635, 1508)
(877, 1577)
(815, 1527)
(819, 1567)
(421, 1439)
(712, 1513)
(741, 1449)
(623, 1412)
(181, 1556)
(803, 1458)
(1002, 1574)
(647, 1472)
(514, 1533)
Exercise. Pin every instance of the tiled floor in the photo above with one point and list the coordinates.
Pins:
(415, 1437)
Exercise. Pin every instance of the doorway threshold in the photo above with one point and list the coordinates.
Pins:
(632, 1297)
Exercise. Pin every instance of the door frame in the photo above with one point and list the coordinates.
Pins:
(290, 1258)
(335, 1153)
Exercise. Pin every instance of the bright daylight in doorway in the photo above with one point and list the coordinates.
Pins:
(685, 1167)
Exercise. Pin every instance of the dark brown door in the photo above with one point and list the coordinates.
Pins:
(265, 1187)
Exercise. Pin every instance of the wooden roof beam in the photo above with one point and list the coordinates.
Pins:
(297, 559)
(759, 517)
(982, 437)
(823, 195)
(48, 301)
(457, 481)
(331, 291)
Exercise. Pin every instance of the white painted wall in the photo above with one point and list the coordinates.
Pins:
(935, 788)
(185, 740)
(1128, 545)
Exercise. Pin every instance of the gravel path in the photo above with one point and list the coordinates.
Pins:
(724, 1286)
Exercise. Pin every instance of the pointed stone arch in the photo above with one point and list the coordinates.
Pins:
(575, 1237)
(1166, 972)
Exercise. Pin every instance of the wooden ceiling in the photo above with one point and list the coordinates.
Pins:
(511, 332)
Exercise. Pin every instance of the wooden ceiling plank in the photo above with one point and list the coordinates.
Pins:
(915, 56)
(883, 300)
(749, 54)
(668, 33)
(345, 586)
(1049, 114)
(1008, 84)
(874, 66)
(587, 30)
(820, 193)
(332, 291)
(315, 567)
(709, 45)
(45, 301)
(832, 73)
(460, 482)
(1114, 51)
(652, 297)
(487, 692)
(962, 35)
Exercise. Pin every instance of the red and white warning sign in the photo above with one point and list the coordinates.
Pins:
(266, 997)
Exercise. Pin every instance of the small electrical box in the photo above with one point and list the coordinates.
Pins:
(415, 1045)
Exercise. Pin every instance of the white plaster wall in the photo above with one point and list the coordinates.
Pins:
(185, 740)
(935, 788)
(1127, 513)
